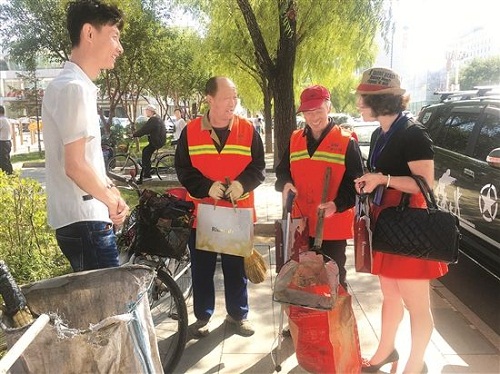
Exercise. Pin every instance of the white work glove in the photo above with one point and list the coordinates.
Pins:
(217, 190)
(235, 190)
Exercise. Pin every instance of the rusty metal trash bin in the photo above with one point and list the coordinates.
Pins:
(100, 322)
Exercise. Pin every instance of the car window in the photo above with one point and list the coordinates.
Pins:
(434, 119)
(489, 137)
(458, 128)
(364, 133)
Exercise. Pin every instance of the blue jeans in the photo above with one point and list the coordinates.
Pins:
(88, 245)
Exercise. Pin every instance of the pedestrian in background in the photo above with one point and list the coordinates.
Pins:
(220, 144)
(258, 124)
(399, 148)
(155, 129)
(5, 142)
(83, 204)
(180, 123)
(321, 144)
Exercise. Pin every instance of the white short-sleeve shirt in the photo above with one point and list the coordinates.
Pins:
(69, 113)
(179, 125)
(4, 129)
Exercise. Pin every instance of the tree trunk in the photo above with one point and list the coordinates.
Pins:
(268, 120)
(281, 81)
(279, 73)
(284, 110)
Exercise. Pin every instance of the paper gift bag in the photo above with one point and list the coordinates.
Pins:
(362, 236)
(291, 238)
(225, 230)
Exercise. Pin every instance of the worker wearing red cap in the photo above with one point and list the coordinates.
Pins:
(321, 144)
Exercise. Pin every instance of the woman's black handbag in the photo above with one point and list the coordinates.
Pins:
(426, 233)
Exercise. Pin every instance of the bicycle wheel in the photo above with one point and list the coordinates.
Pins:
(165, 168)
(123, 165)
(169, 313)
(180, 271)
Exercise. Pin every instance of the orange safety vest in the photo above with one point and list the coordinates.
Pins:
(230, 162)
(308, 175)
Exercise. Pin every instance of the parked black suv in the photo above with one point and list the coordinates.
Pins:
(466, 135)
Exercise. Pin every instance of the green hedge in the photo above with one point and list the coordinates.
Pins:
(27, 244)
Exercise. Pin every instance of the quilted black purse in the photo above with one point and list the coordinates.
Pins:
(426, 233)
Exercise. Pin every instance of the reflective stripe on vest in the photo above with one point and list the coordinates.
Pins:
(308, 176)
(230, 162)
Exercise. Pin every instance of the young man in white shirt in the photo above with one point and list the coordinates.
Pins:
(5, 142)
(83, 203)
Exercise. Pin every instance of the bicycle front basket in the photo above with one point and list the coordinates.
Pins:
(164, 224)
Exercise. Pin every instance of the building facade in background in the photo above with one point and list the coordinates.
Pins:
(432, 40)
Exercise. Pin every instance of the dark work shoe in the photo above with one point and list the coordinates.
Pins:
(200, 328)
(243, 327)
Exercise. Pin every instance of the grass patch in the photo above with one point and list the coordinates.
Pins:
(25, 157)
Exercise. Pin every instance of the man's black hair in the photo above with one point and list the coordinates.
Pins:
(211, 86)
(2, 110)
(80, 12)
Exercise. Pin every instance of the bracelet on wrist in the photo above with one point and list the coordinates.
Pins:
(388, 181)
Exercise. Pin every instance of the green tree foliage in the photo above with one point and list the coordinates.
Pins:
(286, 45)
(181, 75)
(158, 60)
(136, 68)
(27, 244)
(480, 72)
(35, 26)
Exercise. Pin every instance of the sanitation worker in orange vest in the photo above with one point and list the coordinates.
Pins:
(210, 148)
(321, 144)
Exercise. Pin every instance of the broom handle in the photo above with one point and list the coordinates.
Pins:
(318, 239)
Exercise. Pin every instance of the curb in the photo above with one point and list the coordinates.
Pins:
(33, 164)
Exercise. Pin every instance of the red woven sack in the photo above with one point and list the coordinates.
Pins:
(326, 341)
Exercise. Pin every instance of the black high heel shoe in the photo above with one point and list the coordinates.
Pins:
(393, 358)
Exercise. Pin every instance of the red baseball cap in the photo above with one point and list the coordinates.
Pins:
(312, 98)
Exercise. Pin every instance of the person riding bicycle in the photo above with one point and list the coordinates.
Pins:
(155, 129)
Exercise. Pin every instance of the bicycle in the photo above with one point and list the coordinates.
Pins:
(178, 268)
(124, 164)
(173, 283)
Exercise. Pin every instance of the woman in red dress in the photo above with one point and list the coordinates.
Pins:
(399, 148)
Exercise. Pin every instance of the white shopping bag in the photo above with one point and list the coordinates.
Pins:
(225, 230)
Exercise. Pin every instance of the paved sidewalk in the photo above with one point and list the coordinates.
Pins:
(461, 342)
